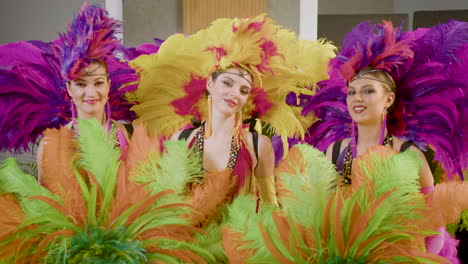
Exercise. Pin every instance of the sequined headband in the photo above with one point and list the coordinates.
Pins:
(361, 75)
(238, 74)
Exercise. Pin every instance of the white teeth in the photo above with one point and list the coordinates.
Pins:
(359, 108)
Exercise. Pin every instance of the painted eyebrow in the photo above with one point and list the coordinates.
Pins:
(243, 86)
(365, 86)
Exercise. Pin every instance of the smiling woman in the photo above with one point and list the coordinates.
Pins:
(74, 76)
(224, 78)
(403, 90)
(90, 91)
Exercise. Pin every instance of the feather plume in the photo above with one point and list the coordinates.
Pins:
(91, 36)
(426, 67)
(31, 77)
(274, 57)
(133, 226)
(132, 53)
(216, 190)
(381, 218)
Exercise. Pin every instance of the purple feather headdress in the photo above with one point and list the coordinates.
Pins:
(33, 77)
(131, 53)
(91, 36)
(430, 98)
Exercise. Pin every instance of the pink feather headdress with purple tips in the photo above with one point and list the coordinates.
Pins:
(429, 96)
(91, 36)
(33, 74)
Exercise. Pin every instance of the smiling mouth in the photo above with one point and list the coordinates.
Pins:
(230, 102)
(359, 109)
(95, 101)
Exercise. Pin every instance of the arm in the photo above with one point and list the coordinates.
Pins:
(264, 172)
(329, 151)
(40, 151)
(434, 243)
(426, 180)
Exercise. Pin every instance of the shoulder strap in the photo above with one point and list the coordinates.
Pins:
(336, 151)
(255, 143)
(186, 134)
(406, 145)
(129, 129)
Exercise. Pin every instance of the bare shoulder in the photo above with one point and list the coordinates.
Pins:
(344, 143)
(264, 144)
(176, 135)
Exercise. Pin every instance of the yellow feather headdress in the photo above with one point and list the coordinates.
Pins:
(172, 88)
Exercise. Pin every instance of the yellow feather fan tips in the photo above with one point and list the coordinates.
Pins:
(279, 62)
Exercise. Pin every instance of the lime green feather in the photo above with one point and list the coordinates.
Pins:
(176, 167)
(13, 180)
(101, 157)
(210, 240)
(310, 189)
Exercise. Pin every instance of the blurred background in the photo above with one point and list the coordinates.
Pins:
(148, 19)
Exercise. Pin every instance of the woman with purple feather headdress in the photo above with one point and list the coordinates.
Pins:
(404, 90)
(46, 85)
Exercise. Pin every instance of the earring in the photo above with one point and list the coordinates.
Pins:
(208, 127)
(237, 132)
(383, 128)
(108, 116)
(353, 143)
(72, 108)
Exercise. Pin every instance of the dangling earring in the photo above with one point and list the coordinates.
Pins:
(73, 111)
(237, 131)
(383, 128)
(108, 116)
(208, 126)
(353, 139)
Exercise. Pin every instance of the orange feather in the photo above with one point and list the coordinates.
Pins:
(232, 243)
(58, 176)
(216, 190)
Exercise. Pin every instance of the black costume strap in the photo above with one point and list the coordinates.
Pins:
(255, 144)
(405, 146)
(336, 151)
(129, 129)
(185, 134)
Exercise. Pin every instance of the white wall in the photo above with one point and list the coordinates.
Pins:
(37, 19)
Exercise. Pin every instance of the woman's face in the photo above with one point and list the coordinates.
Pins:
(230, 90)
(90, 92)
(367, 100)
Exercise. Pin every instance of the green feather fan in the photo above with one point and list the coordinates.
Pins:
(322, 223)
(119, 222)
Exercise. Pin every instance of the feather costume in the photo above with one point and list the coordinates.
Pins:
(33, 76)
(381, 218)
(90, 211)
(431, 88)
(172, 86)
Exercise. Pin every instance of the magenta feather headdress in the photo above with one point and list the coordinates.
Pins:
(131, 53)
(91, 36)
(33, 74)
(429, 98)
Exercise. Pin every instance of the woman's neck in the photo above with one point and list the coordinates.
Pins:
(369, 135)
(222, 125)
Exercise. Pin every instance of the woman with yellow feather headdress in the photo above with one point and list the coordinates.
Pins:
(234, 72)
